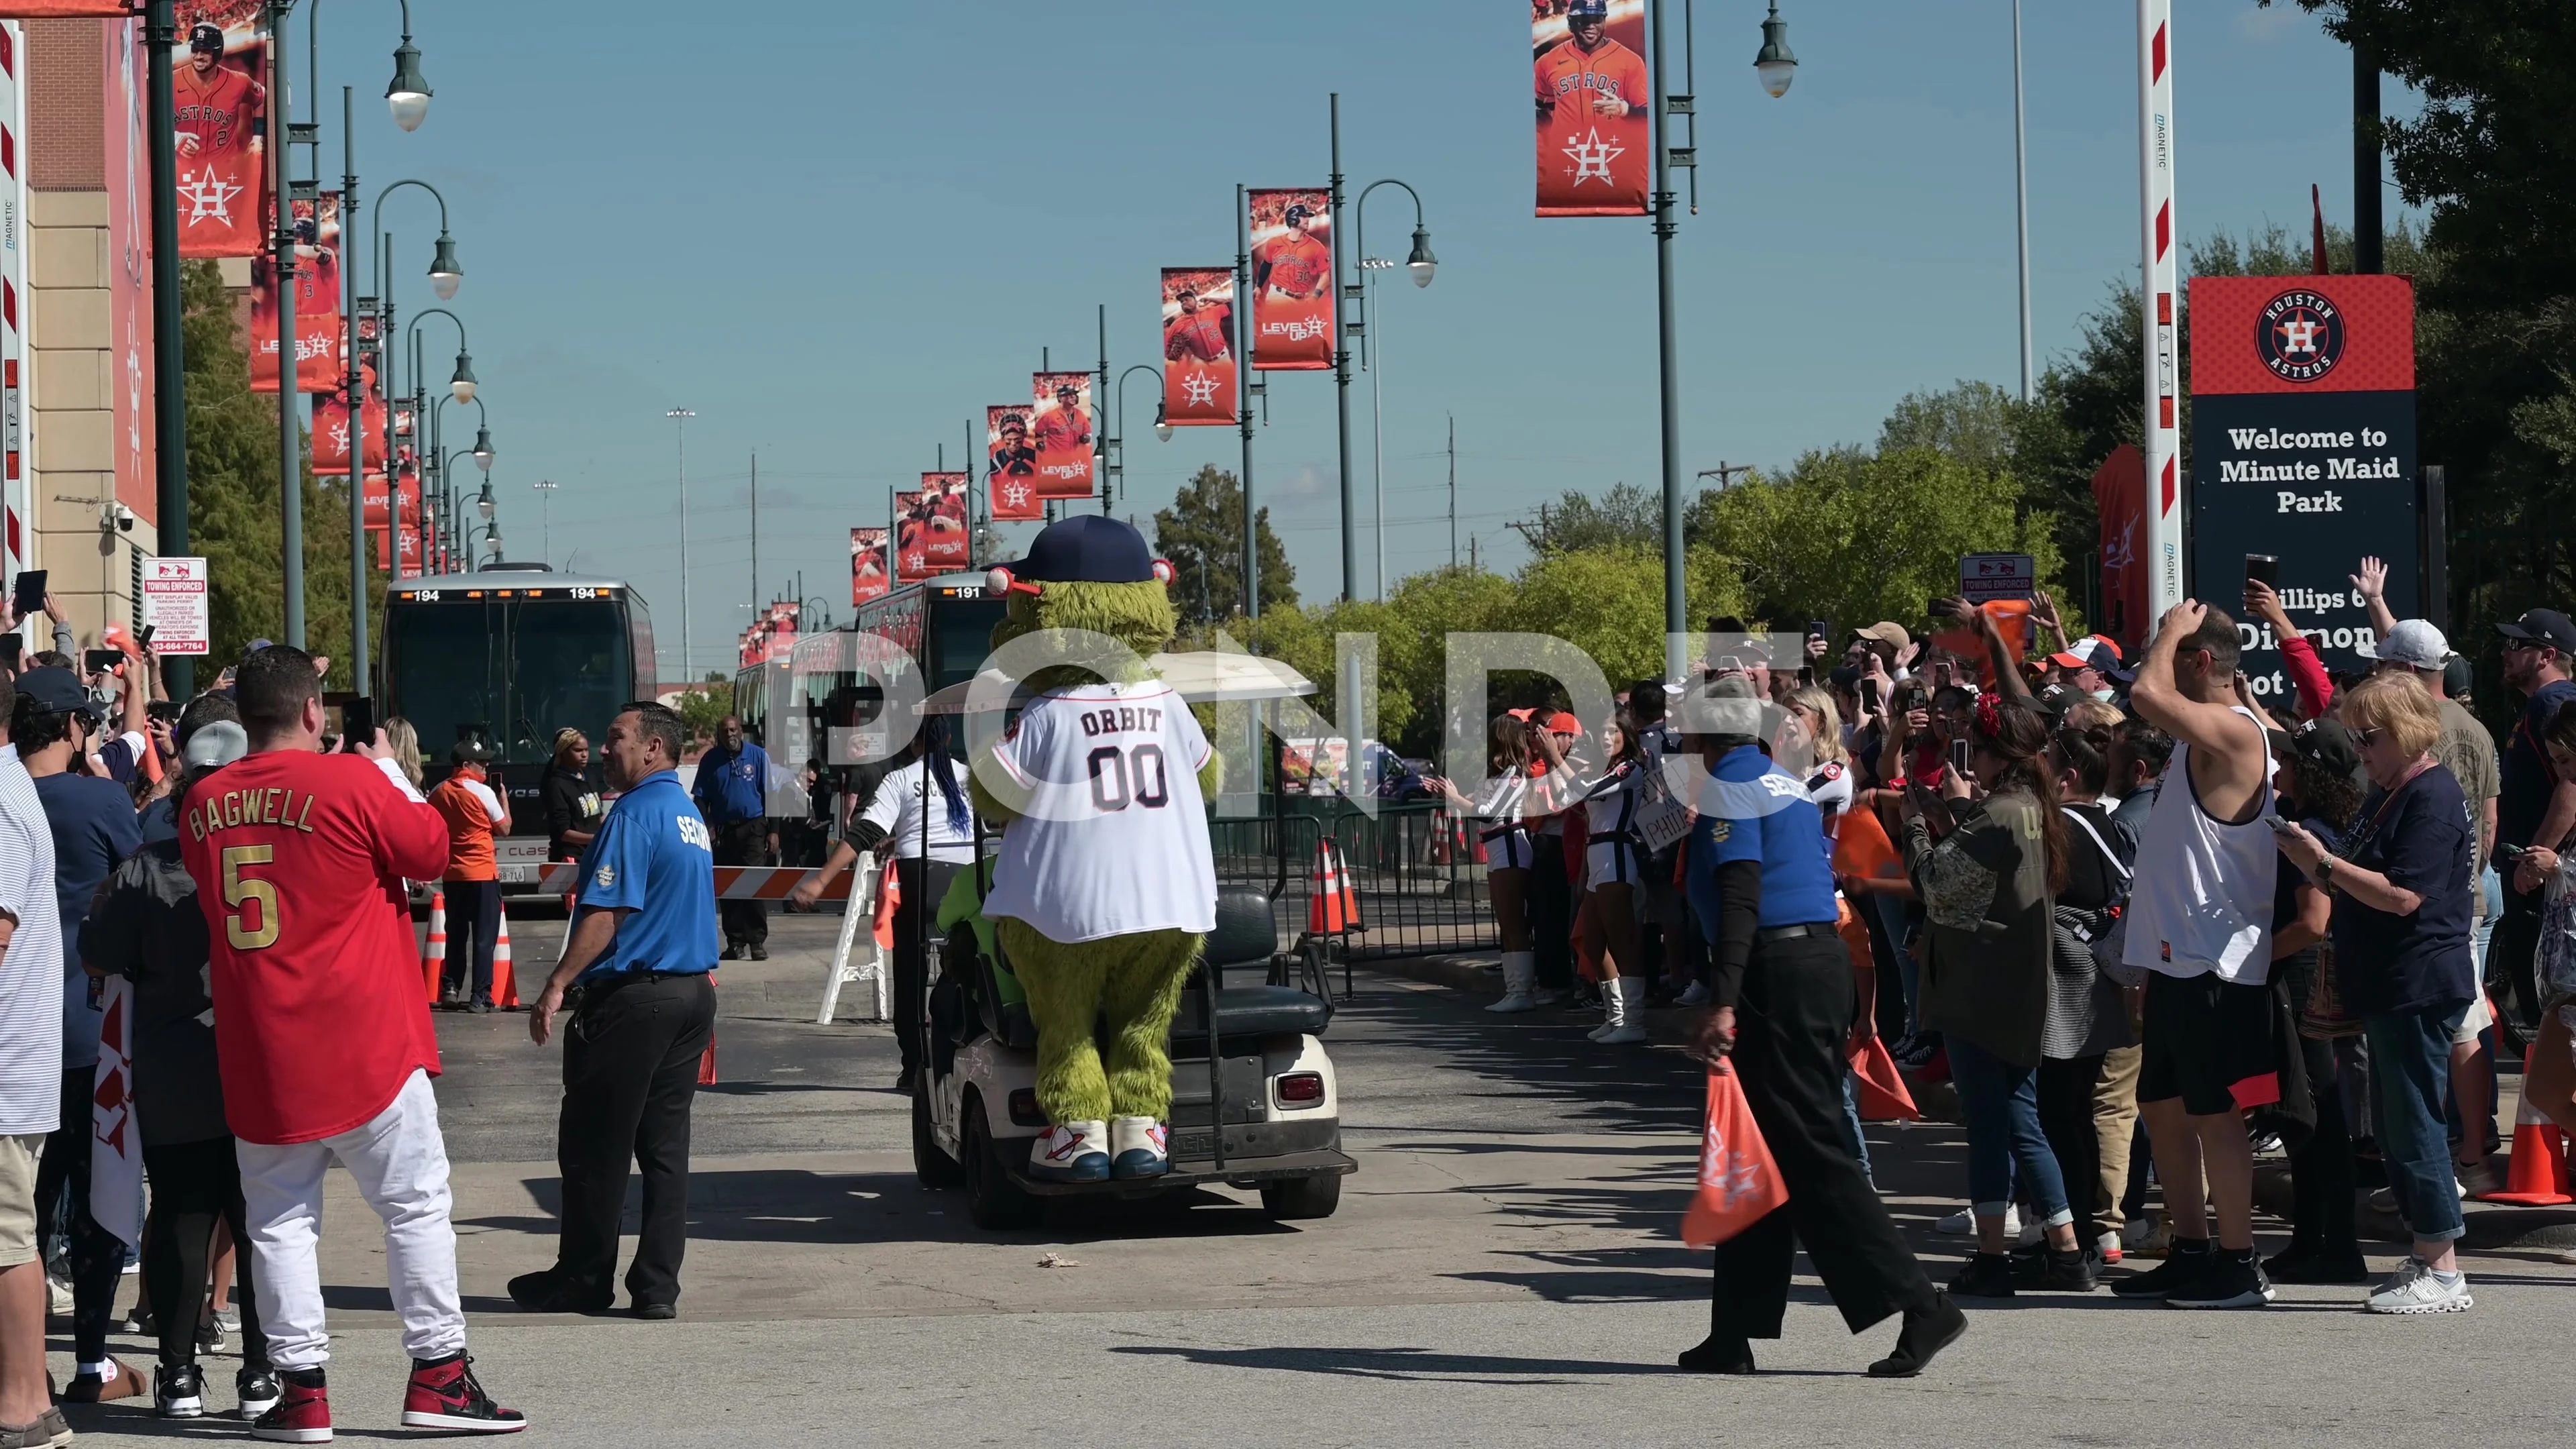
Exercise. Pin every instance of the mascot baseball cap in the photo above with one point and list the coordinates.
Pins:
(1087, 549)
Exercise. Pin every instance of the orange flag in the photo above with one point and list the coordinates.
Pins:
(1880, 1091)
(1739, 1184)
(2012, 620)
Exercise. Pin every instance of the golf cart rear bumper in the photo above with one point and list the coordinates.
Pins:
(1239, 1172)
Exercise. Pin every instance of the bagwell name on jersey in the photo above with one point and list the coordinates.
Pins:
(290, 808)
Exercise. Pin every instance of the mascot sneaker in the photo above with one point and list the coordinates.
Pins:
(1138, 1147)
(1071, 1152)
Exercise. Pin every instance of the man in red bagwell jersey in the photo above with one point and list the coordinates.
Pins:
(323, 1036)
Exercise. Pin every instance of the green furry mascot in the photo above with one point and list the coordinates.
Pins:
(1105, 885)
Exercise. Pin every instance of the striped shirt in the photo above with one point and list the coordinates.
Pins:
(31, 969)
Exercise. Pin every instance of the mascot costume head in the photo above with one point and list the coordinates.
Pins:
(1105, 885)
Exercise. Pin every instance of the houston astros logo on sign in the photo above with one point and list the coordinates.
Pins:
(2300, 336)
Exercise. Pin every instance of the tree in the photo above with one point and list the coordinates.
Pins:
(1974, 422)
(1202, 535)
(704, 706)
(1625, 517)
(232, 497)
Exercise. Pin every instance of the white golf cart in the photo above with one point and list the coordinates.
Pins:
(1254, 1102)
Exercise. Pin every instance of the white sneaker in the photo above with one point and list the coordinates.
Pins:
(2145, 1237)
(58, 1297)
(1071, 1152)
(1627, 1013)
(1138, 1147)
(2416, 1288)
(1963, 1223)
(2478, 1179)
(1695, 994)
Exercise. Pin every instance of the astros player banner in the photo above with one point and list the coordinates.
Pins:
(867, 565)
(1011, 464)
(378, 489)
(222, 116)
(911, 540)
(318, 366)
(1198, 346)
(331, 431)
(1292, 281)
(942, 516)
(1060, 429)
(1596, 135)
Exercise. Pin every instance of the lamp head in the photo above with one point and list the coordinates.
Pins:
(483, 449)
(1422, 263)
(444, 272)
(408, 96)
(462, 386)
(1775, 63)
(483, 504)
(1162, 425)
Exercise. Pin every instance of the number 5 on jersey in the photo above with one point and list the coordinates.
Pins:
(241, 891)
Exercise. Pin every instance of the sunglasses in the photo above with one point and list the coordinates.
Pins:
(2367, 738)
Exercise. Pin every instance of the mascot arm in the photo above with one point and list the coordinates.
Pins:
(1212, 776)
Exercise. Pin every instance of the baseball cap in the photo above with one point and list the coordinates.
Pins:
(214, 743)
(2414, 643)
(2546, 627)
(206, 37)
(2098, 651)
(1887, 632)
(2328, 746)
(54, 689)
(1562, 723)
(2458, 679)
(1085, 549)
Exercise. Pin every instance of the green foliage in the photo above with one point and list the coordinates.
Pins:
(705, 706)
(1202, 535)
(1626, 517)
(233, 518)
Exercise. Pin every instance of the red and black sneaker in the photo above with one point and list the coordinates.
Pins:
(445, 1395)
(302, 1413)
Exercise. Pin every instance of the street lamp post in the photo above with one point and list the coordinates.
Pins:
(680, 417)
(1243, 332)
(546, 517)
(1420, 266)
(169, 356)
(290, 429)
(1114, 446)
(2021, 205)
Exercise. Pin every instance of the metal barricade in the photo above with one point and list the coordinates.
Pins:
(1413, 869)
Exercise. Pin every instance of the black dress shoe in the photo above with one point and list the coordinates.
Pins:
(730, 953)
(547, 1292)
(657, 1312)
(904, 1080)
(1716, 1355)
(1927, 1331)
(759, 953)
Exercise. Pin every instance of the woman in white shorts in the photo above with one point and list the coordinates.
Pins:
(1502, 817)
(1613, 867)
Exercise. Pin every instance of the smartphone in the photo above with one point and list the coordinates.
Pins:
(95, 661)
(357, 723)
(2264, 568)
(165, 711)
(13, 647)
(1869, 692)
(1959, 756)
(31, 592)
(2279, 825)
(143, 636)
(1816, 629)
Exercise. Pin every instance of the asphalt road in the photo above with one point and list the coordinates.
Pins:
(1504, 1270)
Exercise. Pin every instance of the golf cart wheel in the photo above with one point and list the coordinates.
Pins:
(993, 1201)
(1290, 1199)
(935, 1168)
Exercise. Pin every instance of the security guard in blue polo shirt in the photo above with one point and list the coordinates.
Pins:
(1761, 886)
(636, 976)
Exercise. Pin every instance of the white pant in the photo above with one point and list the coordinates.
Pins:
(399, 1161)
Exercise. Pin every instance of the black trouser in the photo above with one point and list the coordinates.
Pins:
(630, 1070)
(196, 1185)
(923, 885)
(473, 934)
(743, 842)
(2321, 1170)
(1551, 913)
(2511, 950)
(1790, 1025)
(98, 1256)
(2066, 1118)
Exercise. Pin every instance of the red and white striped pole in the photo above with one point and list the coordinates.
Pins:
(2162, 301)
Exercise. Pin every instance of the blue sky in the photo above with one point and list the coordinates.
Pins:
(838, 231)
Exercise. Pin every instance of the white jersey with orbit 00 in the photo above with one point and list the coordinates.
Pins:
(1113, 840)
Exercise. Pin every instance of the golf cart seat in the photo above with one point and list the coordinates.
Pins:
(1244, 936)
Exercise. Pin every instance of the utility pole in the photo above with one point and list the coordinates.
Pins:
(1453, 490)
(169, 359)
(2367, 227)
(1341, 368)
(688, 661)
(1668, 360)
(1099, 402)
(362, 580)
(755, 534)
(290, 429)
(2021, 205)
(1243, 401)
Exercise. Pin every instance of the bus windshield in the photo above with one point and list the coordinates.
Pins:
(519, 671)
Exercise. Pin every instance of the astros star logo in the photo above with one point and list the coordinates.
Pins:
(1592, 157)
(1200, 390)
(209, 197)
(1015, 495)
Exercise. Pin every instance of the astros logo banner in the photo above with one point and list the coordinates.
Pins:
(1596, 135)
(222, 125)
(1292, 281)
(1011, 464)
(867, 565)
(318, 367)
(331, 431)
(930, 527)
(1198, 346)
(1060, 429)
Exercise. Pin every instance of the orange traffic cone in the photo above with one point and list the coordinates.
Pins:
(505, 985)
(2538, 1175)
(433, 950)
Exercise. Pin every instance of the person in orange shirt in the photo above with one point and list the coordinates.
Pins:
(1292, 264)
(474, 813)
(1590, 78)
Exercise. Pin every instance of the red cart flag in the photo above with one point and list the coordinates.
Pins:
(1596, 134)
(1199, 382)
(222, 116)
(1739, 1184)
(1292, 280)
(1060, 430)
(867, 565)
(1011, 464)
